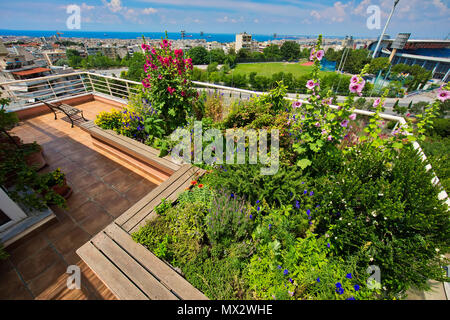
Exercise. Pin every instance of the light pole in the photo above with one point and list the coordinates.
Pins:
(384, 30)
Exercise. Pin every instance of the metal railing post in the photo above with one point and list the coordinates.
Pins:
(109, 88)
(51, 87)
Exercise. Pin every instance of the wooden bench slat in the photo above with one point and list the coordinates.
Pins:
(159, 268)
(145, 281)
(113, 278)
(150, 196)
(166, 193)
(172, 197)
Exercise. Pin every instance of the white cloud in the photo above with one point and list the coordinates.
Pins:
(114, 5)
(149, 11)
(86, 7)
(315, 14)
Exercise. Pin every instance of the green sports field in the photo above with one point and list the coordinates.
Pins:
(267, 69)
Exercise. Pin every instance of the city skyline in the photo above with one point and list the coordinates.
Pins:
(428, 19)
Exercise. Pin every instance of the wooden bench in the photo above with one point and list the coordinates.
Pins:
(129, 269)
(68, 110)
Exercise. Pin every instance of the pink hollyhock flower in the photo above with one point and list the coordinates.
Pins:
(165, 43)
(376, 103)
(443, 95)
(310, 84)
(297, 104)
(354, 79)
(320, 54)
(352, 116)
(344, 123)
(160, 77)
(324, 131)
(330, 138)
(154, 51)
(356, 88)
(317, 124)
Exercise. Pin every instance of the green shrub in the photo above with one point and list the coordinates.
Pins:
(441, 127)
(109, 120)
(390, 208)
(229, 219)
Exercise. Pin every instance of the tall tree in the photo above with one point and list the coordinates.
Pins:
(199, 55)
(290, 50)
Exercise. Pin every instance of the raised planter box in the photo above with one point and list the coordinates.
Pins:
(138, 155)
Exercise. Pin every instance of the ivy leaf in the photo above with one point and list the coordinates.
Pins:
(398, 145)
(304, 163)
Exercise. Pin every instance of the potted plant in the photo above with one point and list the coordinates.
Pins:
(56, 181)
(34, 155)
(7, 121)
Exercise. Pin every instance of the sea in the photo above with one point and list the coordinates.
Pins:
(209, 37)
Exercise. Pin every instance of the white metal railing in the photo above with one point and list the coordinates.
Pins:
(26, 93)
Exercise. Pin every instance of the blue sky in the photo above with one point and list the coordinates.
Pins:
(423, 18)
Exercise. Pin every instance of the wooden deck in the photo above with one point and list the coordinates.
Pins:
(127, 268)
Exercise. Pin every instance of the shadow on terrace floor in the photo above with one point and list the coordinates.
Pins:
(103, 188)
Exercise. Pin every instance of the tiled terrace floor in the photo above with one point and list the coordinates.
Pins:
(103, 188)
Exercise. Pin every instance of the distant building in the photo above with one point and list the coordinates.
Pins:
(243, 41)
(348, 42)
(53, 56)
(433, 55)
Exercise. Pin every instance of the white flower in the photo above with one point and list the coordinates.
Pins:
(437, 249)
(371, 259)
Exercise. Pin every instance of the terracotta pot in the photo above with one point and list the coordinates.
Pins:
(5, 139)
(36, 159)
(65, 191)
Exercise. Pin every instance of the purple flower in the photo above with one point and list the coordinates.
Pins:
(290, 280)
(348, 276)
(330, 138)
(279, 267)
(356, 286)
(297, 204)
(328, 245)
(311, 193)
(318, 279)
(351, 298)
(251, 217)
(308, 212)
(305, 192)
(344, 123)
(285, 272)
(270, 226)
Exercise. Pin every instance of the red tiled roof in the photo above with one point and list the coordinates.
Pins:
(31, 71)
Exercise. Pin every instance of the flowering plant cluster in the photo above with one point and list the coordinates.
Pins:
(315, 125)
(167, 83)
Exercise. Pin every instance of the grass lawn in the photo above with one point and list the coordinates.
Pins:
(267, 69)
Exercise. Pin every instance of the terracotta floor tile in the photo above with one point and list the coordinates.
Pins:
(97, 221)
(36, 264)
(138, 191)
(85, 210)
(27, 248)
(81, 180)
(113, 202)
(77, 199)
(47, 278)
(120, 180)
(12, 288)
(58, 229)
(97, 188)
(72, 240)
